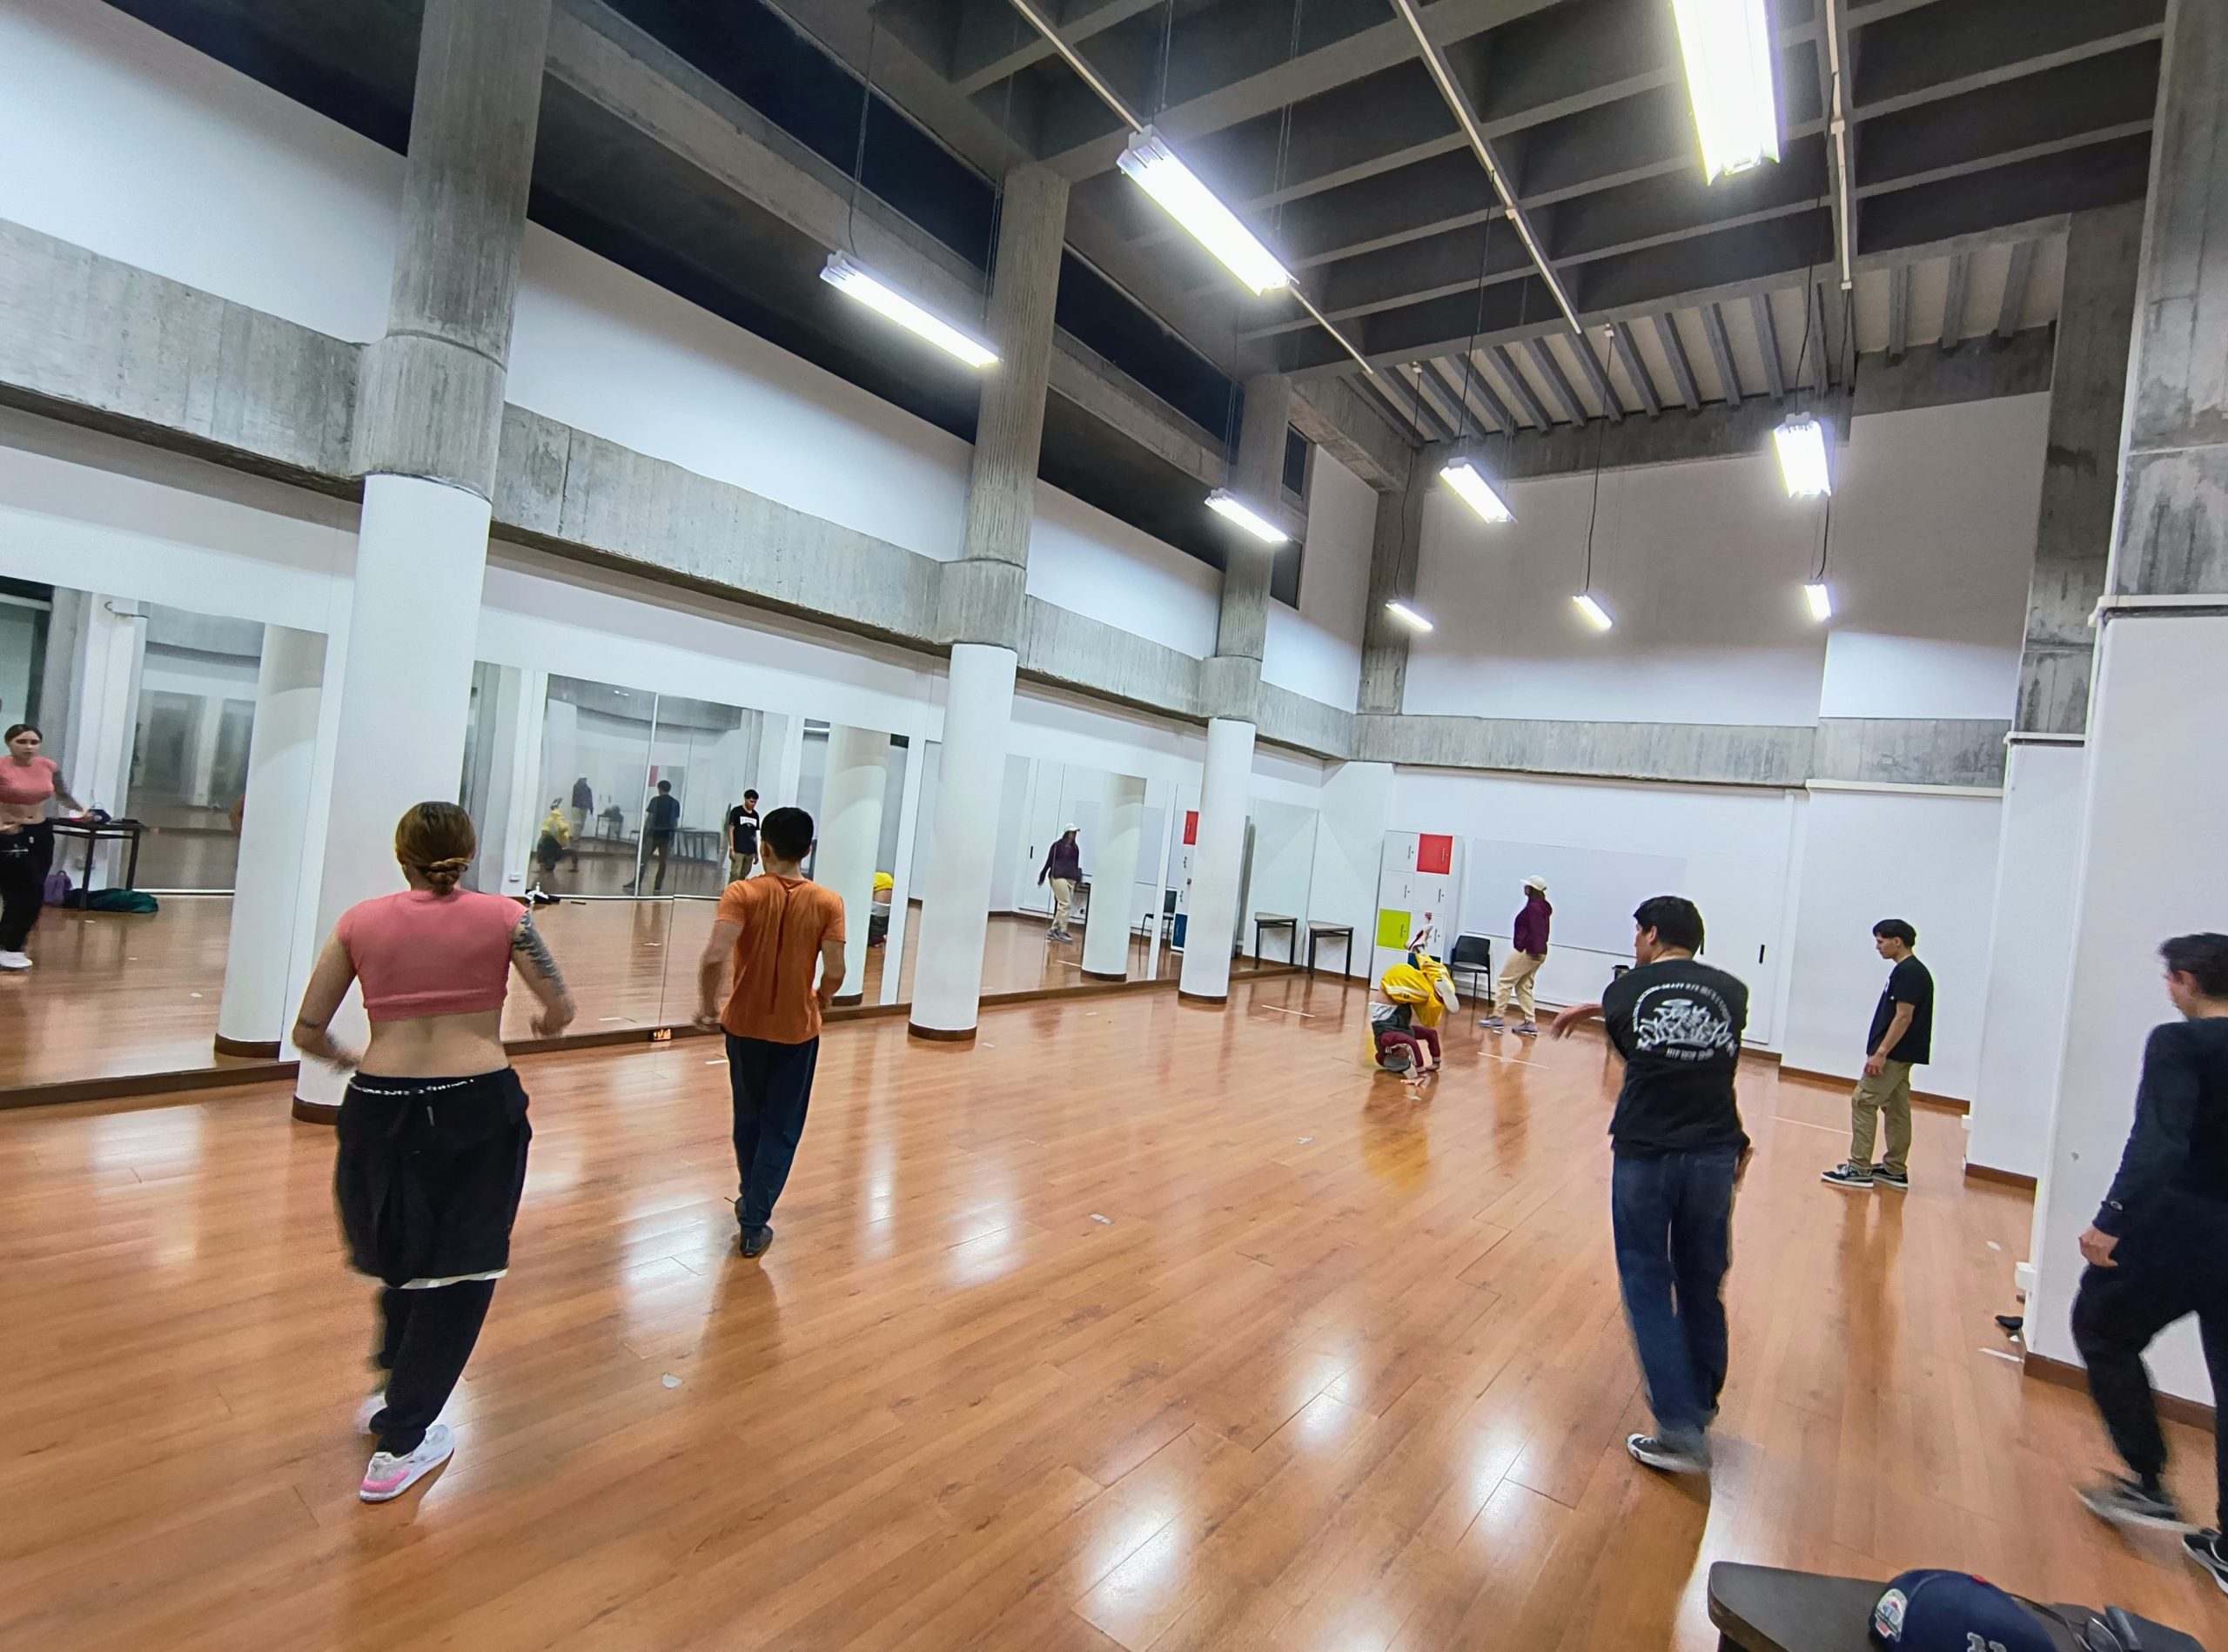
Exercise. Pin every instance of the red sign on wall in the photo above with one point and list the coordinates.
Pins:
(1435, 853)
(1191, 827)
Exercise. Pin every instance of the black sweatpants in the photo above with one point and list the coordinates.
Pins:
(2171, 1267)
(425, 1338)
(773, 1087)
(26, 856)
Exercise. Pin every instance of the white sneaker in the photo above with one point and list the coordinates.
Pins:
(15, 961)
(387, 1477)
(374, 1402)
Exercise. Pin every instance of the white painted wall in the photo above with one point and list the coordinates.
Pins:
(2031, 951)
(1735, 842)
(1315, 649)
(1083, 559)
(1356, 800)
(1926, 857)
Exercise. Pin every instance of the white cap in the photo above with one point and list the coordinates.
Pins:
(1072, 827)
(1537, 883)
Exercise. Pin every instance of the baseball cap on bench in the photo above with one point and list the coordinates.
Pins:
(1938, 1611)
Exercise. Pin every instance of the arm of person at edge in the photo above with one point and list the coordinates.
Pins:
(831, 967)
(712, 971)
(329, 984)
(1898, 1024)
(530, 957)
(1563, 1024)
(2165, 1109)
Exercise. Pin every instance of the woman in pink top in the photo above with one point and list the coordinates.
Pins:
(28, 783)
(432, 1148)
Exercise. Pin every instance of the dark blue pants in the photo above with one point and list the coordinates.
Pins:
(773, 1086)
(1674, 1222)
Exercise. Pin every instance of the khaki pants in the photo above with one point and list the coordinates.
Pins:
(1890, 1093)
(1516, 982)
(1063, 900)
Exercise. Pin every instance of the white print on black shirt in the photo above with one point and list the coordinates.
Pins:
(1682, 1021)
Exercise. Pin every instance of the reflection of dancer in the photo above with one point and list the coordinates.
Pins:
(583, 805)
(28, 780)
(432, 1148)
(1064, 866)
(775, 930)
(743, 838)
(659, 818)
(549, 847)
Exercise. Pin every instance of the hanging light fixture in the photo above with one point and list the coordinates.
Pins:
(1463, 475)
(1590, 606)
(1154, 167)
(1819, 596)
(1222, 502)
(1801, 442)
(1728, 48)
(847, 275)
(1408, 613)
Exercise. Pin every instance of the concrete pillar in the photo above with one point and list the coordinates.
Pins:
(429, 413)
(851, 836)
(1114, 879)
(1395, 550)
(1218, 863)
(208, 733)
(979, 604)
(281, 758)
(2153, 795)
(956, 891)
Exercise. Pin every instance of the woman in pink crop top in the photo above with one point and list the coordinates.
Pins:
(432, 1130)
(29, 782)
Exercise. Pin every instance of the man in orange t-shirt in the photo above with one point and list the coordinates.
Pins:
(773, 929)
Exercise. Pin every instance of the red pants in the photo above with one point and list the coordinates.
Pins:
(1418, 1039)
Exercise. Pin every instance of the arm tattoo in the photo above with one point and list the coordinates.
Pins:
(526, 942)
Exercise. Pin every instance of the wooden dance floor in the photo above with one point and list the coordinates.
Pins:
(1135, 1326)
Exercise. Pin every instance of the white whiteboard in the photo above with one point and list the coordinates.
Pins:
(1592, 890)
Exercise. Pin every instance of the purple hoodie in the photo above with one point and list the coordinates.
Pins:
(1532, 924)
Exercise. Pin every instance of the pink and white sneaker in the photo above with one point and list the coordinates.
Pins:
(374, 1402)
(387, 1477)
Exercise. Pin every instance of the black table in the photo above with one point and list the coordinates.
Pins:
(112, 831)
(1277, 921)
(1317, 933)
(1763, 1608)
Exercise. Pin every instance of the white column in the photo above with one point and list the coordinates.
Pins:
(2023, 1030)
(850, 835)
(1217, 862)
(1113, 864)
(207, 732)
(281, 760)
(955, 909)
(527, 695)
(900, 896)
(421, 553)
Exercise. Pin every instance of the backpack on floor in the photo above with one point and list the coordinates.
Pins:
(58, 889)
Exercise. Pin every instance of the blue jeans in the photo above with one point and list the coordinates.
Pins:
(772, 1084)
(1674, 1222)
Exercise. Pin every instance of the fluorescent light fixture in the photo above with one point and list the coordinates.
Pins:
(1222, 502)
(1408, 616)
(1153, 166)
(1820, 600)
(1593, 611)
(1466, 479)
(846, 274)
(1727, 47)
(1801, 444)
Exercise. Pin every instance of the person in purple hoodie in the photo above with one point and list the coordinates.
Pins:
(1526, 952)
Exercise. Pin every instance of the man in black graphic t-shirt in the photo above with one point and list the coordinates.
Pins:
(1901, 1038)
(1677, 1134)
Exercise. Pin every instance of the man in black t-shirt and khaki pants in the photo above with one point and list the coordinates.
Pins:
(1901, 1038)
(1678, 1152)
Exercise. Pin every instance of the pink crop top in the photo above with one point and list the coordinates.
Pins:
(418, 953)
(30, 782)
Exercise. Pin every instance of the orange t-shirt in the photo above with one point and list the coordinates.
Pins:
(784, 921)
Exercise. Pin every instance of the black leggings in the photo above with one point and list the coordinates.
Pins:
(425, 1339)
(26, 856)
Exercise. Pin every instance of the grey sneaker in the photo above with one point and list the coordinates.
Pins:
(1658, 1453)
(2204, 1548)
(1527, 1028)
(1493, 1024)
(1847, 1175)
(1897, 1179)
(2125, 1501)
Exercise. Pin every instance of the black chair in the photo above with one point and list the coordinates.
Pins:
(1472, 954)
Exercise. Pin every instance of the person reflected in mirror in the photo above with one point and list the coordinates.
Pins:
(755, 985)
(1527, 951)
(556, 833)
(433, 1129)
(659, 817)
(1063, 867)
(2158, 1247)
(743, 838)
(1678, 1151)
(583, 806)
(29, 781)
